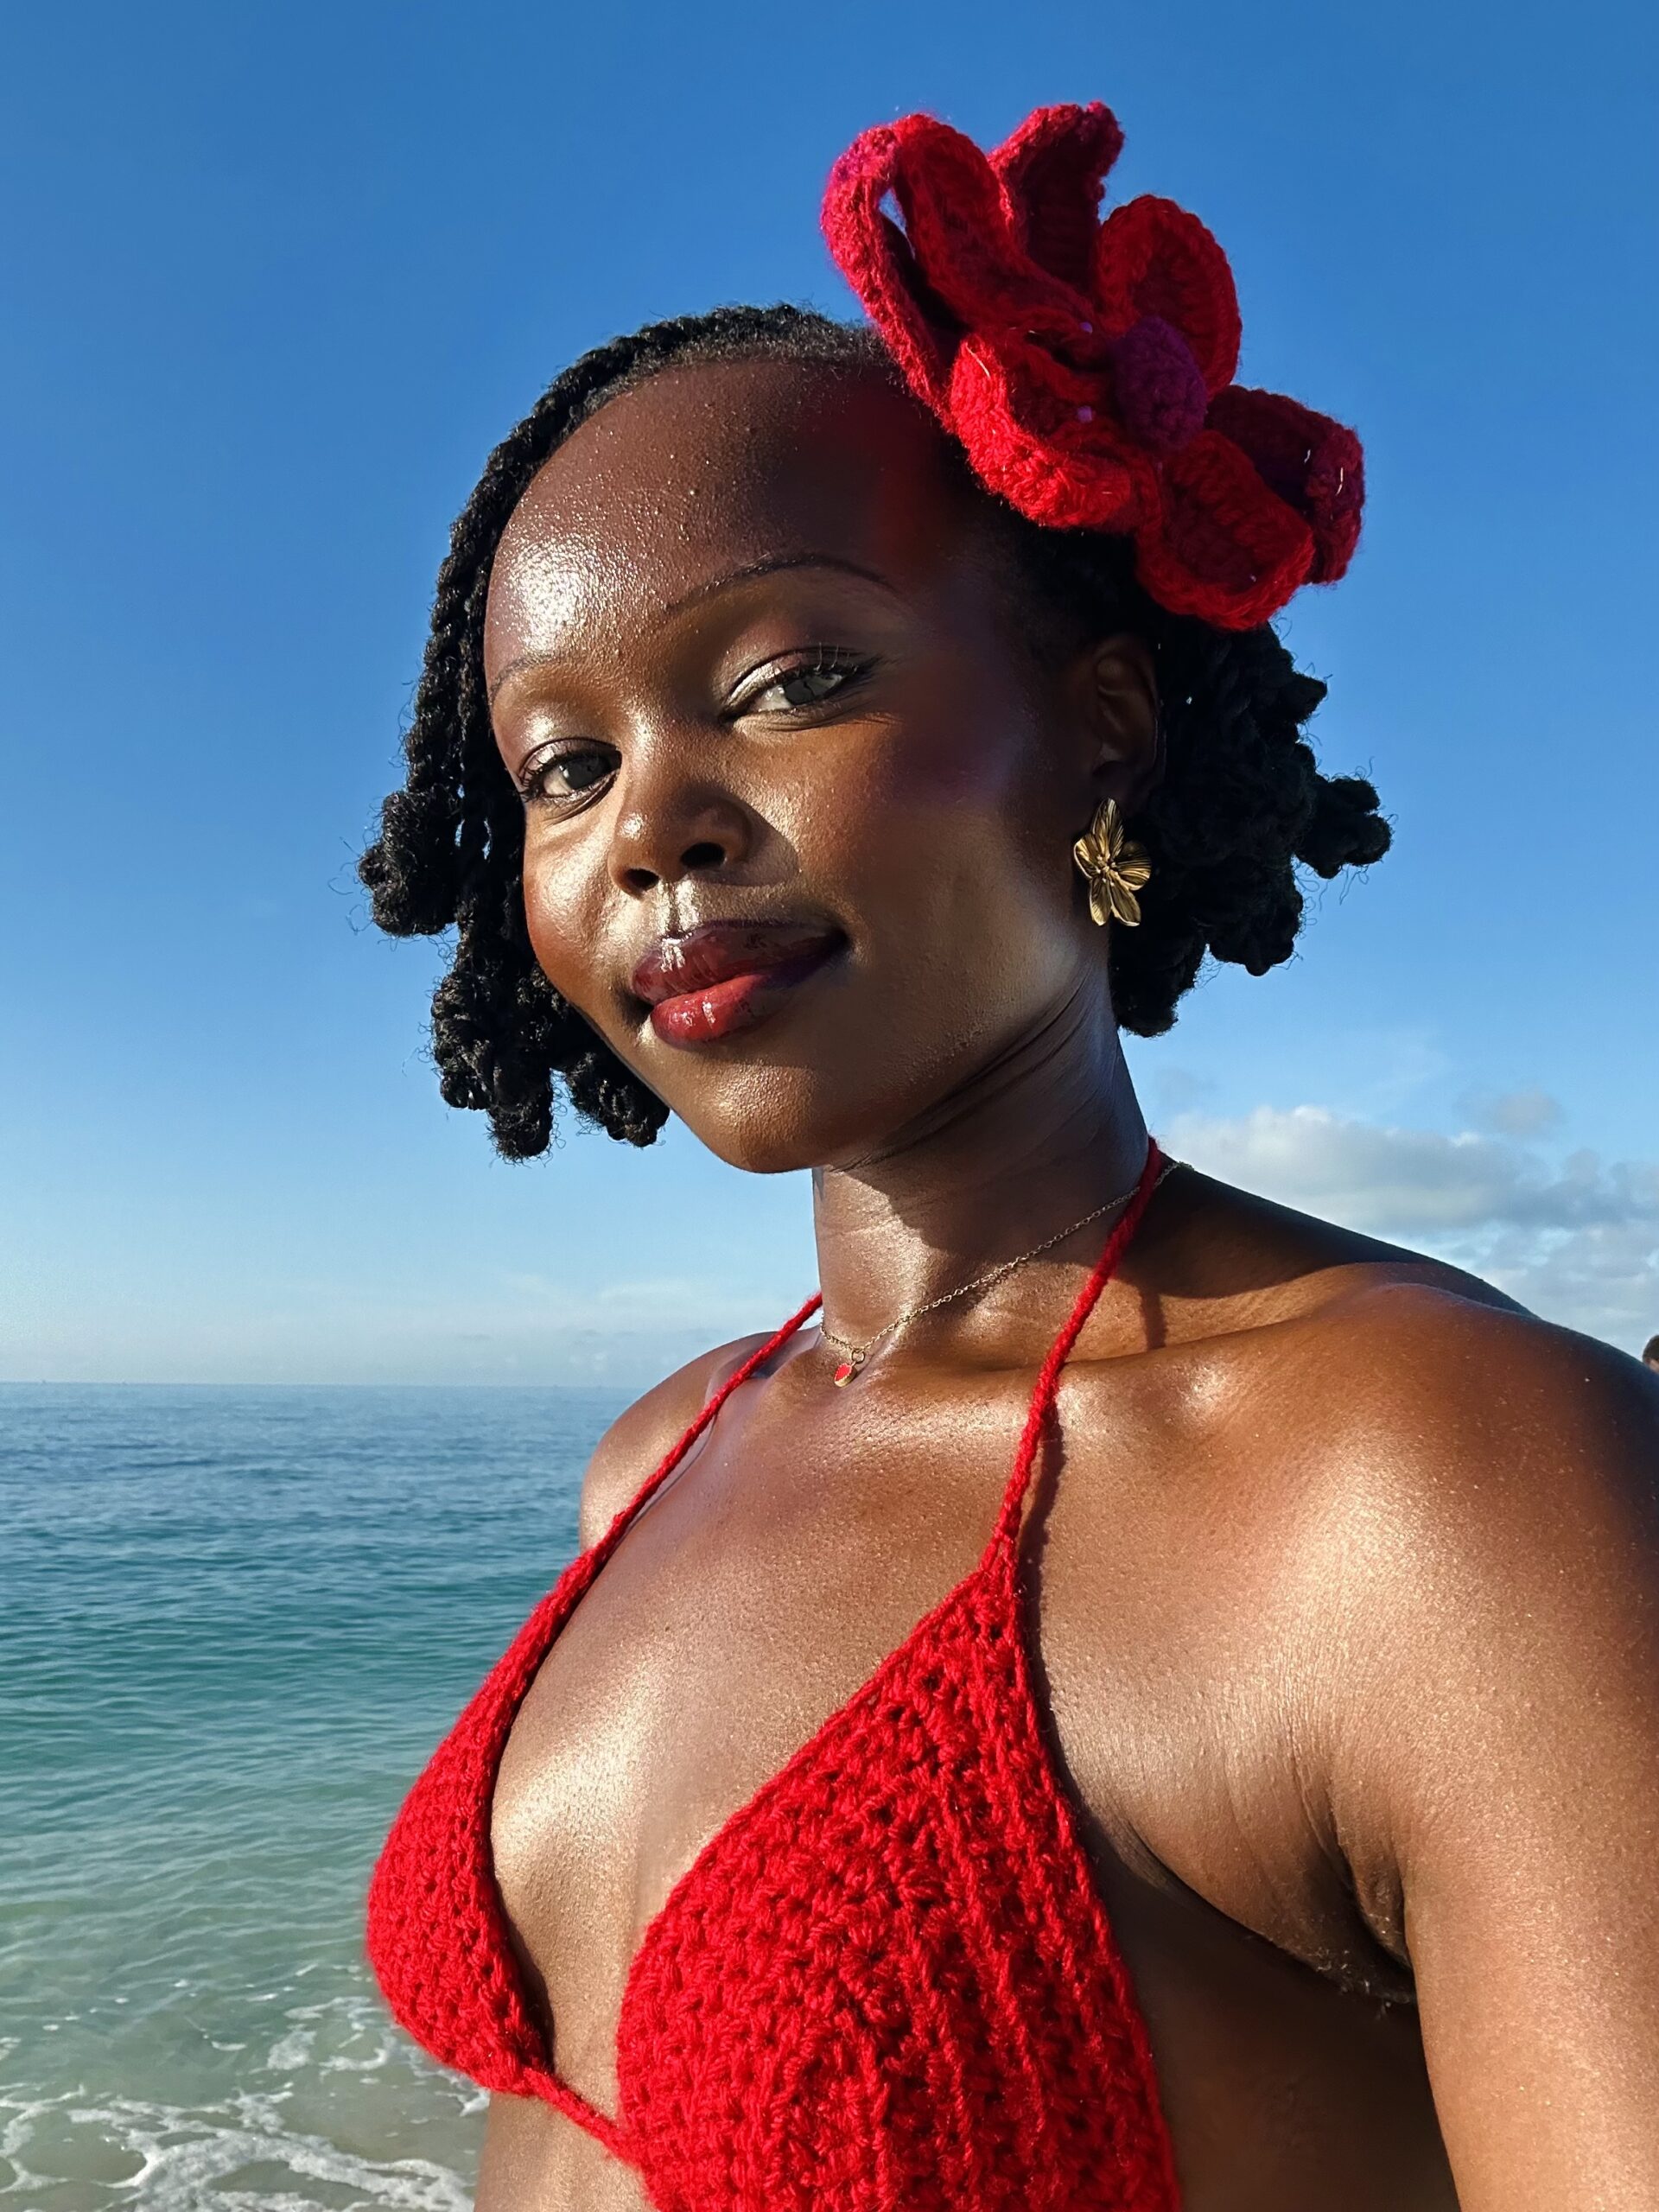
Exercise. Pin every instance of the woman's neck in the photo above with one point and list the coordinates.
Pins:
(1035, 1140)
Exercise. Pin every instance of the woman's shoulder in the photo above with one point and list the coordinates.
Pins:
(1501, 1442)
(1473, 1556)
(1406, 1535)
(1477, 1443)
(1386, 1366)
(1366, 1434)
(638, 1439)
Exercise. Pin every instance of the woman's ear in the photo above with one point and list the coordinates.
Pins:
(1113, 684)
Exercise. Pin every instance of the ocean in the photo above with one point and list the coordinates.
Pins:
(233, 1622)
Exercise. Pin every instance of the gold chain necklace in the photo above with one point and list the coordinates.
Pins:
(857, 1354)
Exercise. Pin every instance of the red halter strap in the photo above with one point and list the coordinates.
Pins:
(1042, 1398)
(1048, 1382)
(648, 1489)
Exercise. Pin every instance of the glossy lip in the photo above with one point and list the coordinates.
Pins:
(726, 976)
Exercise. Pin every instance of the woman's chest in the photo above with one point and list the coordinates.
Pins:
(758, 1594)
(745, 1607)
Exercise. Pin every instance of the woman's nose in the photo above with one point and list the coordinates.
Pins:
(662, 836)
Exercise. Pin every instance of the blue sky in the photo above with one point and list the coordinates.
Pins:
(277, 277)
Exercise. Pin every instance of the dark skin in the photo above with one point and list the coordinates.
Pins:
(1346, 1598)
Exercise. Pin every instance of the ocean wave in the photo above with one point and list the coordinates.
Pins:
(72, 2153)
(249, 1618)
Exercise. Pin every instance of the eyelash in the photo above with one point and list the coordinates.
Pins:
(826, 660)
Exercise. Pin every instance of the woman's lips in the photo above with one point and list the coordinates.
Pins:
(726, 976)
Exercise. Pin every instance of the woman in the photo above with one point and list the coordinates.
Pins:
(1144, 1697)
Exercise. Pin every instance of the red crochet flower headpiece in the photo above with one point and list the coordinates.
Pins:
(1087, 366)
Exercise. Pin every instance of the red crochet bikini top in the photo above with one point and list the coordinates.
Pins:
(887, 1984)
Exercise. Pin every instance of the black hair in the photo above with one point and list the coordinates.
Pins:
(1239, 802)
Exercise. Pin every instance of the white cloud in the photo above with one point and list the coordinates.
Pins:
(1178, 1090)
(1577, 1240)
(1513, 1113)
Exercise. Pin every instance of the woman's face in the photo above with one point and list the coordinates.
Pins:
(799, 804)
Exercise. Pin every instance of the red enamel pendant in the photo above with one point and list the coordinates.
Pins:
(845, 1373)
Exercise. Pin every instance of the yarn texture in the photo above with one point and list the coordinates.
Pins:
(887, 1984)
(1087, 368)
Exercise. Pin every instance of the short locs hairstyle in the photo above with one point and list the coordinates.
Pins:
(1239, 802)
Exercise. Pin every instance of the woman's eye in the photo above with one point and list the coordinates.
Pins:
(806, 687)
(567, 775)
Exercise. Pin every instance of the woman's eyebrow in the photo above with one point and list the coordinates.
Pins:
(772, 565)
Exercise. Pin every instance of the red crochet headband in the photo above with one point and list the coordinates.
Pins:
(1087, 366)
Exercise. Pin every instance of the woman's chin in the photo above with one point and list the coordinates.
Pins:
(765, 1144)
(780, 1121)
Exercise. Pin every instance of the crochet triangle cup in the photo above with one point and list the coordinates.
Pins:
(886, 1984)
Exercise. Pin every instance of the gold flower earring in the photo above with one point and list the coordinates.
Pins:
(1114, 866)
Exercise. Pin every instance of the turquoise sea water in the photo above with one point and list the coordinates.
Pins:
(233, 1626)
